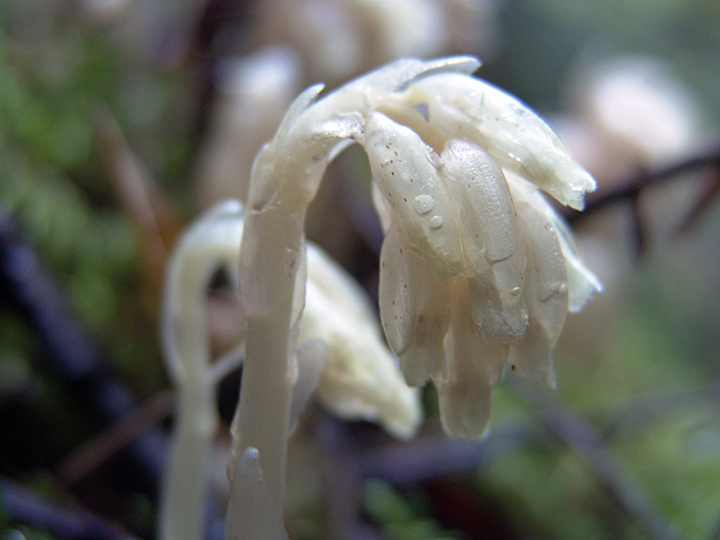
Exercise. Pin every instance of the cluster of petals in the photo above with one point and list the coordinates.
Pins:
(477, 271)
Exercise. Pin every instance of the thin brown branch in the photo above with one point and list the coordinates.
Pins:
(143, 201)
(628, 188)
(85, 459)
(710, 191)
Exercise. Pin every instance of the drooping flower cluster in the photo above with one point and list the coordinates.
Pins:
(477, 270)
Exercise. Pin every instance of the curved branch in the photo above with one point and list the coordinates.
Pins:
(628, 188)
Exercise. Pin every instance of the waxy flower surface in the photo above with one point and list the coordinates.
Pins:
(476, 269)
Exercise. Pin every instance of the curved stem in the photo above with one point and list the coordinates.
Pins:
(212, 242)
(185, 486)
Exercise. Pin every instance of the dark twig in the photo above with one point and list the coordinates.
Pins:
(710, 192)
(629, 187)
(346, 463)
(638, 226)
(432, 457)
(638, 411)
(72, 523)
(82, 461)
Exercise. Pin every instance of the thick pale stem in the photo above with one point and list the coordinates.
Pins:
(183, 503)
(285, 177)
(273, 254)
(265, 397)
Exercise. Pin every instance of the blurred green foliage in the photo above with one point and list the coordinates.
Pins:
(54, 73)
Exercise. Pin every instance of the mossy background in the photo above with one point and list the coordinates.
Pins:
(646, 377)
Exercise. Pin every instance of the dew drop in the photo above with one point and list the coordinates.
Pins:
(424, 203)
(436, 222)
(515, 291)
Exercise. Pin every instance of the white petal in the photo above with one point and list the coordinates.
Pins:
(473, 367)
(521, 141)
(546, 294)
(582, 283)
(424, 359)
(531, 358)
(402, 293)
(486, 203)
(546, 284)
(546, 263)
(406, 171)
(413, 309)
(492, 243)
(465, 406)
(498, 321)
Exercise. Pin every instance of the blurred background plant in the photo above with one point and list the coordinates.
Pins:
(120, 120)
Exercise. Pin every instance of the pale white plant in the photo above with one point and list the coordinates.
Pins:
(361, 378)
(342, 357)
(207, 246)
(477, 270)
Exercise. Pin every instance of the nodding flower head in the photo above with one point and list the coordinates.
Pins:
(477, 269)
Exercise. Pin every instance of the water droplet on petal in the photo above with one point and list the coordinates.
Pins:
(424, 203)
(436, 222)
(515, 291)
